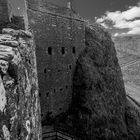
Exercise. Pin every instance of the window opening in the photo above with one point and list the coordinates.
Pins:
(39, 94)
(73, 50)
(47, 94)
(54, 90)
(63, 50)
(70, 67)
(45, 70)
(50, 50)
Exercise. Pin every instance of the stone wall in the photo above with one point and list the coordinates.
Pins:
(59, 40)
(4, 15)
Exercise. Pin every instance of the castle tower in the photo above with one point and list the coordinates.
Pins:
(60, 37)
(4, 13)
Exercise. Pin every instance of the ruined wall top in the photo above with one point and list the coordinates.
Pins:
(47, 6)
(4, 13)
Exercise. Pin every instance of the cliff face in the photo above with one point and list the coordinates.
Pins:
(99, 109)
(4, 15)
(99, 94)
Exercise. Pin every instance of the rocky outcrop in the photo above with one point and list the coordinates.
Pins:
(100, 109)
(19, 101)
(99, 94)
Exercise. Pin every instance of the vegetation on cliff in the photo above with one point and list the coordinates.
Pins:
(100, 109)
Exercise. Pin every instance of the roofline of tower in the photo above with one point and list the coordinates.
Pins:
(40, 9)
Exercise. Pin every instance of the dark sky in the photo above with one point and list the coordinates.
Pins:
(87, 8)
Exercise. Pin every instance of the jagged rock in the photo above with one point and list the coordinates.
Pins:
(6, 53)
(2, 96)
(13, 32)
(19, 109)
(3, 66)
(98, 90)
(6, 37)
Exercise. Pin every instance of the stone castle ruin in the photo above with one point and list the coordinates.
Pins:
(4, 13)
(59, 37)
(81, 88)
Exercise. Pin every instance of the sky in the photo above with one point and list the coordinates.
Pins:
(120, 17)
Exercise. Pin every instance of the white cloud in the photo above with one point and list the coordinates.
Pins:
(119, 34)
(126, 19)
(116, 34)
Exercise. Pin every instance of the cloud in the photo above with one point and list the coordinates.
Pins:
(129, 19)
(119, 34)
(116, 34)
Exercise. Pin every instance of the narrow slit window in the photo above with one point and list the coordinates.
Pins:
(54, 90)
(73, 50)
(50, 50)
(47, 94)
(63, 50)
(45, 70)
(70, 67)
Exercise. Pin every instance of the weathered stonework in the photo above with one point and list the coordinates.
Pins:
(19, 108)
(59, 37)
(4, 13)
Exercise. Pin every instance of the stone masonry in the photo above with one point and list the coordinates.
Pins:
(59, 37)
(4, 15)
